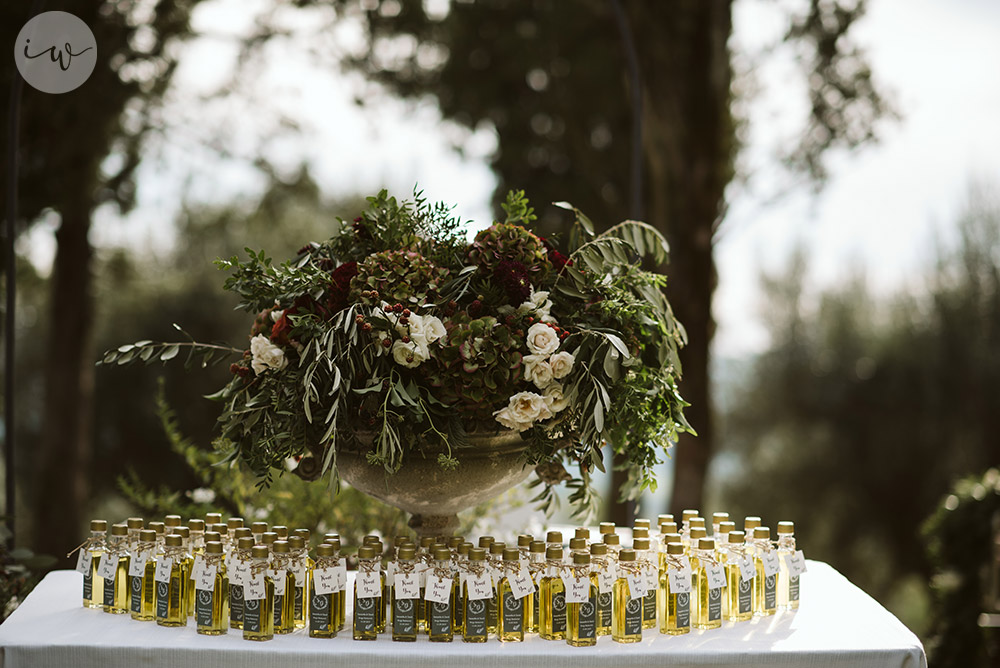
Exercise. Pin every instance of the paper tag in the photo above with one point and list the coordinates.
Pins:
(197, 567)
(796, 563)
(368, 585)
(652, 580)
(279, 579)
(521, 584)
(680, 580)
(747, 570)
(770, 561)
(636, 585)
(84, 561)
(326, 580)
(407, 585)
(390, 573)
(163, 567)
(108, 565)
(716, 576)
(255, 588)
(341, 570)
(606, 582)
(577, 589)
(300, 572)
(479, 587)
(205, 580)
(240, 573)
(137, 564)
(437, 590)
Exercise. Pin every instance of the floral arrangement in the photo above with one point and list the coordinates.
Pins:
(398, 335)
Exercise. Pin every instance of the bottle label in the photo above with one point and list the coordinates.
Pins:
(135, 593)
(297, 601)
(404, 612)
(437, 590)
(604, 603)
(587, 624)
(475, 617)
(325, 580)
(747, 570)
(279, 609)
(577, 589)
(204, 603)
(520, 583)
(109, 591)
(771, 563)
(368, 585)
(745, 597)
(319, 612)
(162, 599)
(479, 587)
(440, 618)
(559, 612)
(236, 602)
(714, 604)
(84, 561)
(407, 585)
(793, 588)
(715, 575)
(137, 564)
(107, 566)
(633, 617)
(680, 580)
(770, 591)
(649, 606)
(251, 615)
(682, 606)
(364, 613)
(513, 613)
(636, 585)
(88, 585)
(163, 567)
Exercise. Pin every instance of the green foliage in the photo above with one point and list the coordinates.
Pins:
(20, 570)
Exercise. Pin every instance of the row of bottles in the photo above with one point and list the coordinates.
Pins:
(264, 582)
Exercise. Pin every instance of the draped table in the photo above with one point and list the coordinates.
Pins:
(836, 625)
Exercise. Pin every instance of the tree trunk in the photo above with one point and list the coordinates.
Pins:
(689, 147)
(62, 485)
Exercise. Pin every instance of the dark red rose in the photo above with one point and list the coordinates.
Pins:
(340, 286)
(512, 276)
(559, 260)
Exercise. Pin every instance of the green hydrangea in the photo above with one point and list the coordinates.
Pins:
(507, 241)
(397, 276)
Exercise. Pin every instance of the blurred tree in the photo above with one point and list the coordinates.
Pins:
(863, 411)
(550, 78)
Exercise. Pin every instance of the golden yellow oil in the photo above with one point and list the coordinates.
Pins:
(380, 605)
(739, 595)
(258, 614)
(709, 615)
(552, 608)
(170, 598)
(212, 607)
(581, 619)
(765, 591)
(323, 615)
(187, 563)
(788, 587)
(116, 592)
(441, 618)
(284, 614)
(404, 617)
(511, 614)
(626, 623)
(93, 584)
(474, 618)
(457, 607)
(144, 594)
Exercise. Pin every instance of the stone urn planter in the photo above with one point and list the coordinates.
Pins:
(489, 465)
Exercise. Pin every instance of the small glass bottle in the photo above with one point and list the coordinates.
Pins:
(578, 546)
(536, 568)
(405, 595)
(717, 520)
(552, 591)
(440, 619)
(739, 591)
(474, 626)
(135, 525)
(709, 613)
(524, 546)
(239, 568)
(675, 605)
(604, 528)
(171, 583)
(211, 603)
(142, 574)
(644, 558)
(581, 617)
(766, 586)
(284, 587)
(459, 569)
(323, 616)
(600, 569)
(301, 566)
(281, 531)
(494, 561)
(512, 611)
(160, 529)
(626, 627)
(185, 534)
(116, 587)
(258, 529)
(258, 598)
(91, 552)
(213, 518)
(614, 543)
(171, 522)
(788, 584)
(340, 596)
(197, 529)
(368, 588)
(382, 603)
(424, 557)
(750, 523)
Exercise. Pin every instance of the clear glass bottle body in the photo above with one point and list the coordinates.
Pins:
(284, 603)
(536, 568)
(240, 560)
(369, 611)
(788, 584)
(323, 614)
(581, 618)
(552, 605)
(303, 565)
(93, 584)
(116, 591)
(405, 611)
(143, 593)
(474, 617)
(709, 612)
(739, 592)
(765, 600)
(604, 601)
(258, 613)
(626, 625)
(512, 612)
(440, 617)
(211, 611)
(171, 596)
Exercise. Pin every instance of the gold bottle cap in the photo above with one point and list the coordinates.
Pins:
(737, 537)
(706, 544)
(497, 548)
(697, 522)
(751, 522)
(667, 517)
(268, 538)
(455, 541)
(485, 541)
(675, 548)
(511, 554)
(407, 552)
(399, 540)
(281, 530)
(172, 521)
(477, 554)
(245, 543)
(296, 542)
(213, 518)
(218, 528)
(158, 527)
(598, 550)
(786, 528)
(626, 555)
(174, 540)
(325, 551)
(640, 544)
(581, 559)
(577, 544)
(606, 527)
(686, 515)
(135, 523)
(668, 527)
(640, 532)
(671, 538)
(242, 532)
(259, 552)
(235, 522)
(332, 542)
(213, 536)
(698, 533)
(719, 517)
(379, 547)
(328, 536)
(119, 529)
(304, 534)
(727, 526)
(554, 537)
(612, 539)
(762, 532)
(426, 542)
(441, 553)
(183, 532)
(524, 540)
(554, 553)
(214, 547)
(98, 525)
(465, 548)
(196, 525)
(147, 535)
(368, 552)
(258, 527)
(537, 547)
(644, 523)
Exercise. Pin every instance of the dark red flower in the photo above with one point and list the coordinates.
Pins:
(559, 260)
(512, 276)
(340, 286)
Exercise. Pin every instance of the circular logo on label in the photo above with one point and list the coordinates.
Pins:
(633, 606)
(682, 599)
(161, 589)
(204, 597)
(769, 581)
(605, 599)
(559, 602)
(511, 603)
(55, 52)
(476, 607)
(404, 605)
(440, 607)
(586, 609)
(236, 593)
(744, 586)
(365, 604)
(252, 604)
(320, 602)
(714, 594)
(136, 584)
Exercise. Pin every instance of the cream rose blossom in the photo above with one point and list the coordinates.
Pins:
(409, 354)
(523, 410)
(266, 355)
(555, 399)
(562, 364)
(537, 370)
(542, 339)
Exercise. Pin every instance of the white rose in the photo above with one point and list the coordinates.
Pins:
(537, 370)
(541, 299)
(409, 354)
(562, 364)
(266, 355)
(555, 399)
(542, 339)
(434, 328)
(527, 407)
(506, 417)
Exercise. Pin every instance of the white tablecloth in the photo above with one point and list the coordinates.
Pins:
(836, 625)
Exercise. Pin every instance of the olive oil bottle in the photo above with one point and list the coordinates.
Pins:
(476, 592)
(600, 567)
(494, 565)
(171, 583)
(240, 561)
(323, 584)
(766, 562)
(788, 579)
(301, 566)
(197, 537)
(707, 573)
(648, 567)
(552, 591)
(135, 525)
(340, 596)
(142, 574)
(405, 595)
(188, 564)
(459, 569)
(581, 607)
(258, 598)
(626, 626)
(211, 600)
(536, 569)
(511, 607)
(284, 587)
(674, 592)
(440, 618)
(368, 588)
(91, 552)
(115, 571)
(740, 575)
